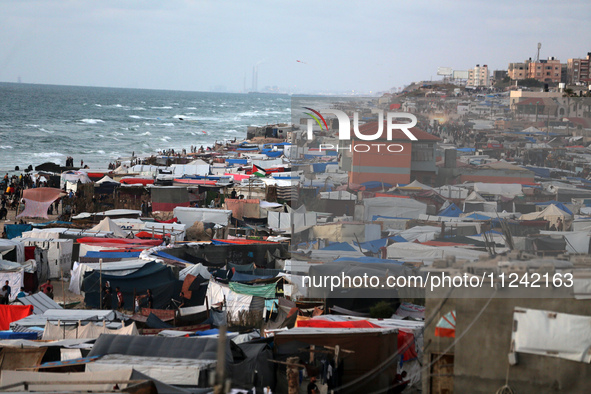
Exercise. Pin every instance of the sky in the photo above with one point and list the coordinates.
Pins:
(301, 46)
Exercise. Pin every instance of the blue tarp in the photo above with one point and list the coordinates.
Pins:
(321, 167)
(237, 161)
(538, 171)
(272, 153)
(376, 185)
(477, 216)
(171, 257)
(213, 331)
(466, 150)
(380, 217)
(451, 211)
(374, 246)
(559, 205)
(18, 335)
(52, 222)
(16, 230)
(342, 246)
(112, 255)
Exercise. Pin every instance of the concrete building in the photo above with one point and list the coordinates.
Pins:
(545, 70)
(577, 70)
(476, 360)
(405, 161)
(517, 96)
(517, 71)
(478, 76)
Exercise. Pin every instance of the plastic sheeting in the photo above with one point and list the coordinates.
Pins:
(552, 334)
(393, 207)
(38, 200)
(188, 216)
(15, 280)
(417, 252)
(90, 330)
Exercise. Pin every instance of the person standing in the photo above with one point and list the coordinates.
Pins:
(120, 302)
(7, 292)
(108, 299)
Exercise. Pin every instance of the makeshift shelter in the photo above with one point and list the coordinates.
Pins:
(119, 268)
(475, 202)
(12, 250)
(40, 302)
(59, 253)
(105, 185)
(90, 330)
(70, 179)
(451, 211)
(551, 213)
(393, 207)
(241, 208)
(167, 198)
(108, 225)
(38, 200)
(155, 276)
(347, 232)
(188, 216)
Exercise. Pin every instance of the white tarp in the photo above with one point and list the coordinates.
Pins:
(216, 292)
(188, 216)
(576, 241)
(54, 332)
(236, 304)
(338, 195)
(282, 220)
(196, 269)
(7, 245)
(553, 334)
(190, 169)
(551, 213)
(15, 280)
(59, 254)
(499, 189)
(416, 252)
(174, 371)
(393, 207)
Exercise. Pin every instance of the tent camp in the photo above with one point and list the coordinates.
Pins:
(475, 202)
(188, 216)
(38, 200)
(59, 253)
(551, 213)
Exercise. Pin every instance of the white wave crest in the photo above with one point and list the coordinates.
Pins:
(47, 154)
(92, 121)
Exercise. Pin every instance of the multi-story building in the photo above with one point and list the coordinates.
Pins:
(577, 70)
(545, 70)
(517, 71)
(478, 76)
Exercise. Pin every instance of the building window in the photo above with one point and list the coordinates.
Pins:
(422, 152)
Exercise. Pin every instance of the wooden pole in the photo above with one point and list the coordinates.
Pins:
(220, 369)
(293, 375)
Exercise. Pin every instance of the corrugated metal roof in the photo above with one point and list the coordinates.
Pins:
(40, 301)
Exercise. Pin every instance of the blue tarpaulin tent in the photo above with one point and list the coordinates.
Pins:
(112, 255)
(16, 230)
(341, 246)
(451, 211)
(477, 216)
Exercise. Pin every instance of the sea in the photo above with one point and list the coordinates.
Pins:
(48, 123)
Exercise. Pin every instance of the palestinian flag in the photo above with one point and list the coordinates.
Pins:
(258, 171)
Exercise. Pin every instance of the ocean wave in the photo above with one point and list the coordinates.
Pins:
(250, 114)
(137, 117)
(92, 121)
(138, 108)
(36, 126)
(165, 107)
(167, 124)
(5, 147)
(231, 131)
(165, 138)
(47, 154)
(191, 108)
(46, 131)
(146, 133)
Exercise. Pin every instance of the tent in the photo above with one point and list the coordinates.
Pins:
(12, 313)
(558, 204)
(446, 326)
(109, 226)
(551, 213)
(451, 211)
(188, 216)
(393, 207)
(155, 276)
(475, 202)
(59, 253)
(167, 198)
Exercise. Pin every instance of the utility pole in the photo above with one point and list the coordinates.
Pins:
(220, 386)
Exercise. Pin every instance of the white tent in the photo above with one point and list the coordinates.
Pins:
(188, 216)
(551, 213)
(475, 202)
(105, 179)
(108, 225)
(59, 253)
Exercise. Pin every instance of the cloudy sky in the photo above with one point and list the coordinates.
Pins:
(341, 45)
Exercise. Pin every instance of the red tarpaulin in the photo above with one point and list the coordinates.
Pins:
(336, 324)
(137, 181)
(145, 234)
(170, 221)
(242, 241)
(38, 200)
(406, 345)
(10, 313)
(118, 242)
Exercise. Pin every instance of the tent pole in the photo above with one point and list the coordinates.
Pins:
(100, 283)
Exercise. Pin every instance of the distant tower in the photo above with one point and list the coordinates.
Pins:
(538, 56)
(255, 77)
